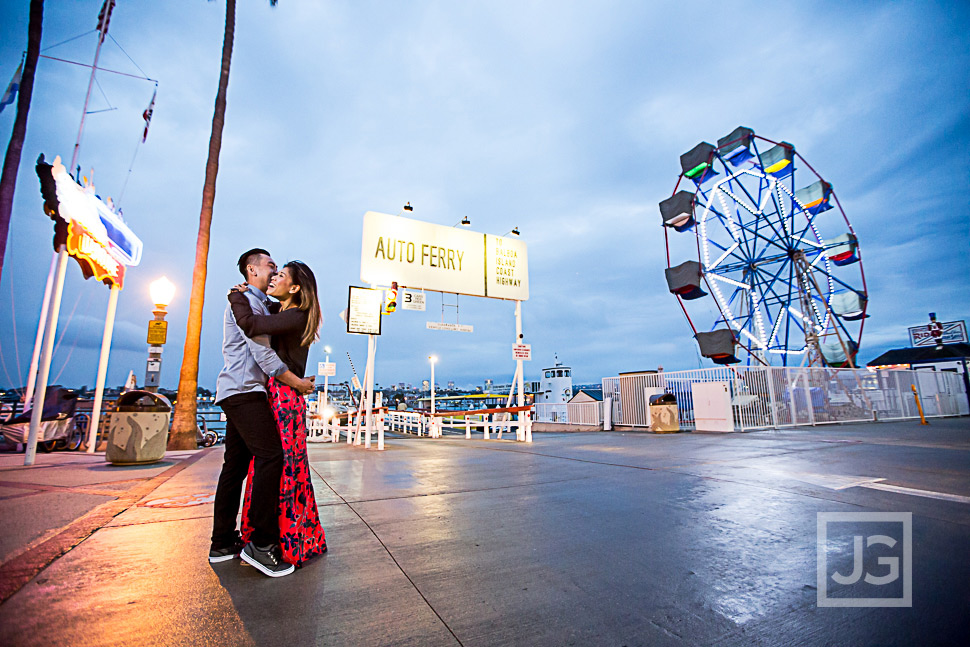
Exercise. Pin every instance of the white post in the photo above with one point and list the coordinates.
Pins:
(45, 361)
(109, 324)
(361, 415)
(326, 382)
(41, 327)
(369, 389)
(520, 433)
(808, 395)
(770, 374)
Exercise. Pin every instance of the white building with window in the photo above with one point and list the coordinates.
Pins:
(555, 385)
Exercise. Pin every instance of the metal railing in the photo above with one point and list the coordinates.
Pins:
(571, 413)
(774, 397)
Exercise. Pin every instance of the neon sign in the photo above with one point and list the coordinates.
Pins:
(97, 237)
(93, 257)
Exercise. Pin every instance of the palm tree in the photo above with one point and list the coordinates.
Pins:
(11, 162)
(184, 421)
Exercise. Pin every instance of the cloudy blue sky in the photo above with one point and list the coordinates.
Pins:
(563, 118)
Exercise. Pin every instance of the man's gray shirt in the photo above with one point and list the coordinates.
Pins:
(247, 362)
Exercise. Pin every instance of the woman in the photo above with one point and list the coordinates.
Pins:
(292, 328)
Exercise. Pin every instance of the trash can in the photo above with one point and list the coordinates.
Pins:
(663, 413)
(138, 430)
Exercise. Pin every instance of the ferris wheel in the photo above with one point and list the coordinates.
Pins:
(755, 226)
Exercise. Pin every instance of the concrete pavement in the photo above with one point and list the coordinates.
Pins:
(577, 539)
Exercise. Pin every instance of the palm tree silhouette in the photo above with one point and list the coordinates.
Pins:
(11, 162)
(183, 435)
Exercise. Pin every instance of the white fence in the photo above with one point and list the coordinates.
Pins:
(573, 413)
(772, 397)
(516, 421)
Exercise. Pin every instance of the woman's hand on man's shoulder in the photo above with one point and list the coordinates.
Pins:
(242, 287)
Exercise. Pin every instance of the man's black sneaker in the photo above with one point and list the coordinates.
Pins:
(268, 560)
(225, 553)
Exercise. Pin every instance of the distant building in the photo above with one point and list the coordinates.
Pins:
(952, 357)
(587, 395)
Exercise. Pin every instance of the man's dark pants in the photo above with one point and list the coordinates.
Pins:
(251, 433)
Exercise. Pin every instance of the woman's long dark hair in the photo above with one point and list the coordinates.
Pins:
(307, 299)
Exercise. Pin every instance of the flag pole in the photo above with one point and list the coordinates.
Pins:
(43, 369)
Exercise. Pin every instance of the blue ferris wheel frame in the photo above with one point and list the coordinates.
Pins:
(751, 223)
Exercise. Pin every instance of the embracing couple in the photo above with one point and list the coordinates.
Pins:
(260, 389)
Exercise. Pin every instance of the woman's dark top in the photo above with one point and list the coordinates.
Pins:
(284, 328)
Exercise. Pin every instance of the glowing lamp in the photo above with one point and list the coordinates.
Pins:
(162, 290)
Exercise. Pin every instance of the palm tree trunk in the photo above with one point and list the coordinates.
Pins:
(11, 162)
(184, 423)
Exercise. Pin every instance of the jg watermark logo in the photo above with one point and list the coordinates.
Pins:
(865, 559)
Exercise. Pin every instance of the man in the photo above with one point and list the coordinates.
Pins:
(251, 432)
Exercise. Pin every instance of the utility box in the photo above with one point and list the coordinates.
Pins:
(138, 430)
(663, 415)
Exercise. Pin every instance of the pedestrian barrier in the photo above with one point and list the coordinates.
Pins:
(572, 413)
(761, 397)
(491, 422)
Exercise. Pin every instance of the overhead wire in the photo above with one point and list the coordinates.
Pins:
(64, 42)
(126, 54)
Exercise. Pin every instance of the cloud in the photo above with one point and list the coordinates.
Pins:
(566, 120)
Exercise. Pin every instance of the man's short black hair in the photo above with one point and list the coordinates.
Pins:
(248, 258)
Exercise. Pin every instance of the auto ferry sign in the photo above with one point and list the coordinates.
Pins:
(95, 236)
(426, 256)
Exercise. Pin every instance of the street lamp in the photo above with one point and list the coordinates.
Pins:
(326, 376)
(433, 359)
(162, 290)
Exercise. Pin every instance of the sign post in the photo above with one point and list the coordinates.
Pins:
(109, 325)
(418, 255)
(327, 369)
(102, 244)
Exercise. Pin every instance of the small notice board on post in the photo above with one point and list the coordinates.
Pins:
(522, 351)
(327, 369)
(364, 311)
(157, 333)
(413, 301)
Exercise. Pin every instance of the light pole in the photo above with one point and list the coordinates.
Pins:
(326, 378)
(433, 359)
(162, 290)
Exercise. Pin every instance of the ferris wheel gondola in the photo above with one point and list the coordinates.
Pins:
(773, 267)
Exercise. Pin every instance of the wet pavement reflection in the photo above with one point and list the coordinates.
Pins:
(583, 539)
